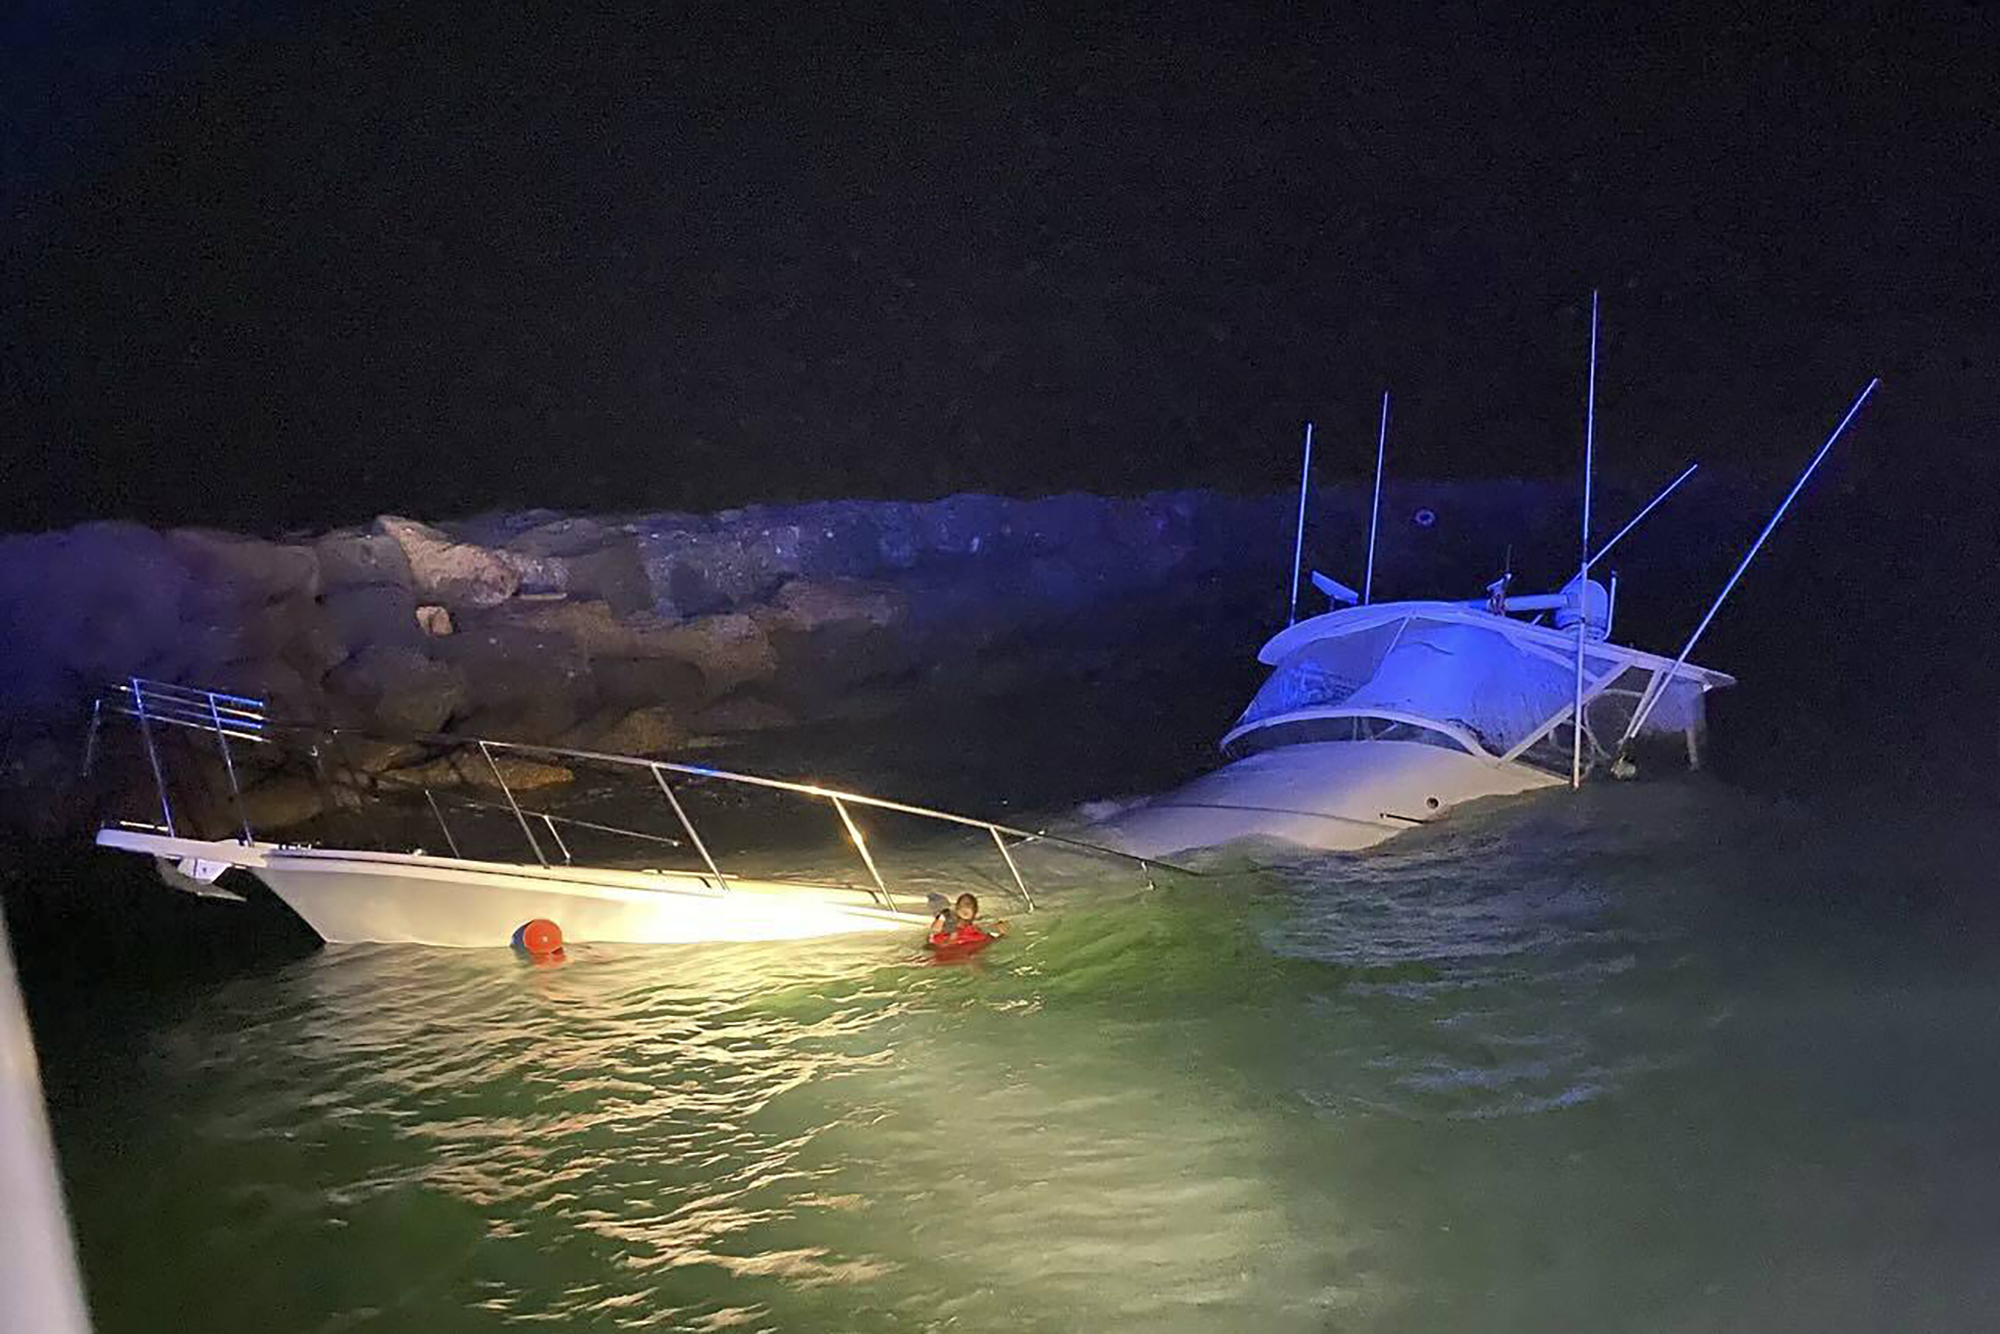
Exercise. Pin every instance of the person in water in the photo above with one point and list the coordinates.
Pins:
(959, 924)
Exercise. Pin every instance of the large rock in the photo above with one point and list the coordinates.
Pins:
(95, 604)
(360, 560)
(744, 713)
(592, 627)
(657, 730)
(400, 689)
(454, 574)
(372, 755)
(583, 559)
(283, 689)
(510, 669)
(231, 568)
(694, 568)
(812, 604)
(614, 573)
(469, 768)
(283, 801)
(1071, 524)
(211, 634)
(961, 525)
(541, 719)
(730, 650)
(362, 615)
(635, 682)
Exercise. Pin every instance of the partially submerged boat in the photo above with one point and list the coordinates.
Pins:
(1379, 717)
(1382, 717)
(350, 892)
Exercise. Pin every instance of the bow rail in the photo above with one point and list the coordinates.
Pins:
(239, 720)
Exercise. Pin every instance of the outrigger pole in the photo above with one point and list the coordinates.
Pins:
(1662, 680)
(1299, 541)
(1375, 510)
(1650, 506)
(1583, 566)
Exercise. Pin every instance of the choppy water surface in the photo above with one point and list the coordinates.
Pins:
(1656, 1059)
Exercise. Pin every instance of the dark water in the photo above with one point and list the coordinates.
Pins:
(1663, 1057)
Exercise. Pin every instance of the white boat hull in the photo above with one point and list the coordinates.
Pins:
(351, 897)
(1333, 796)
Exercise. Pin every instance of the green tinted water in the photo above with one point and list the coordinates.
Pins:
(1655, 1059)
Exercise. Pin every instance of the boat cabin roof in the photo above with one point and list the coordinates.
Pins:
(1542, 639)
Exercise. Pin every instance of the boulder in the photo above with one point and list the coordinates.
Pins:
(209, 636)
(614, 574)
(729, 650)
(101, 601)
(635, 682)
(592, 627)
(1070, 524)
(693, 570)
(744, 713)
(811, 604)
(816, 667)
(452, 574)
(313, 645)
(541, 719)
(282, 801)
(232, 568)
(283, 690)
(372, 755)
(400, 690)
(656, 730)
(506, 667)
(359, 616)
(434, 621)
(961, 525)
(567, 536)
(360, 560)
(898, 538)
(833, 538)
(469, 768)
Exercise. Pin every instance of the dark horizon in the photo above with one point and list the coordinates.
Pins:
(305, 269)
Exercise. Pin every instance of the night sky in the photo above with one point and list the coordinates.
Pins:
(300, 268)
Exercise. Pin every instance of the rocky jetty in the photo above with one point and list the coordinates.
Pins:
(652, 633)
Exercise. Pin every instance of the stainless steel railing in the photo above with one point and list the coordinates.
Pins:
(153, 705)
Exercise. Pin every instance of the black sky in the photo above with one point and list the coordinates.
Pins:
(376, 256)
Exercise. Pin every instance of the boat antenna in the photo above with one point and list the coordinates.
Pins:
(1650, 506)
(1583, 567)
(1662, 680)
(1375, 510)
(1299, 541)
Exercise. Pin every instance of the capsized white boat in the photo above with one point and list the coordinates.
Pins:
(1379, 718)
(351, 894)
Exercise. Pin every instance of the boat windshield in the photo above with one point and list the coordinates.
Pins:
(1489, 682)
(1342, 727)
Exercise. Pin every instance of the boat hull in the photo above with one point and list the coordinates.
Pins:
(1332, 796)
(351, 897)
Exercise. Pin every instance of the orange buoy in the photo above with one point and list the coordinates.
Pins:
(541, 938)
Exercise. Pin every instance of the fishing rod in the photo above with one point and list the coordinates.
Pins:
(1299, 541)
(1375, 510)
(1661, 681)
(1583, 567)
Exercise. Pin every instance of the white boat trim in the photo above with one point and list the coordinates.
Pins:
(338, 893)
(351, 894)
